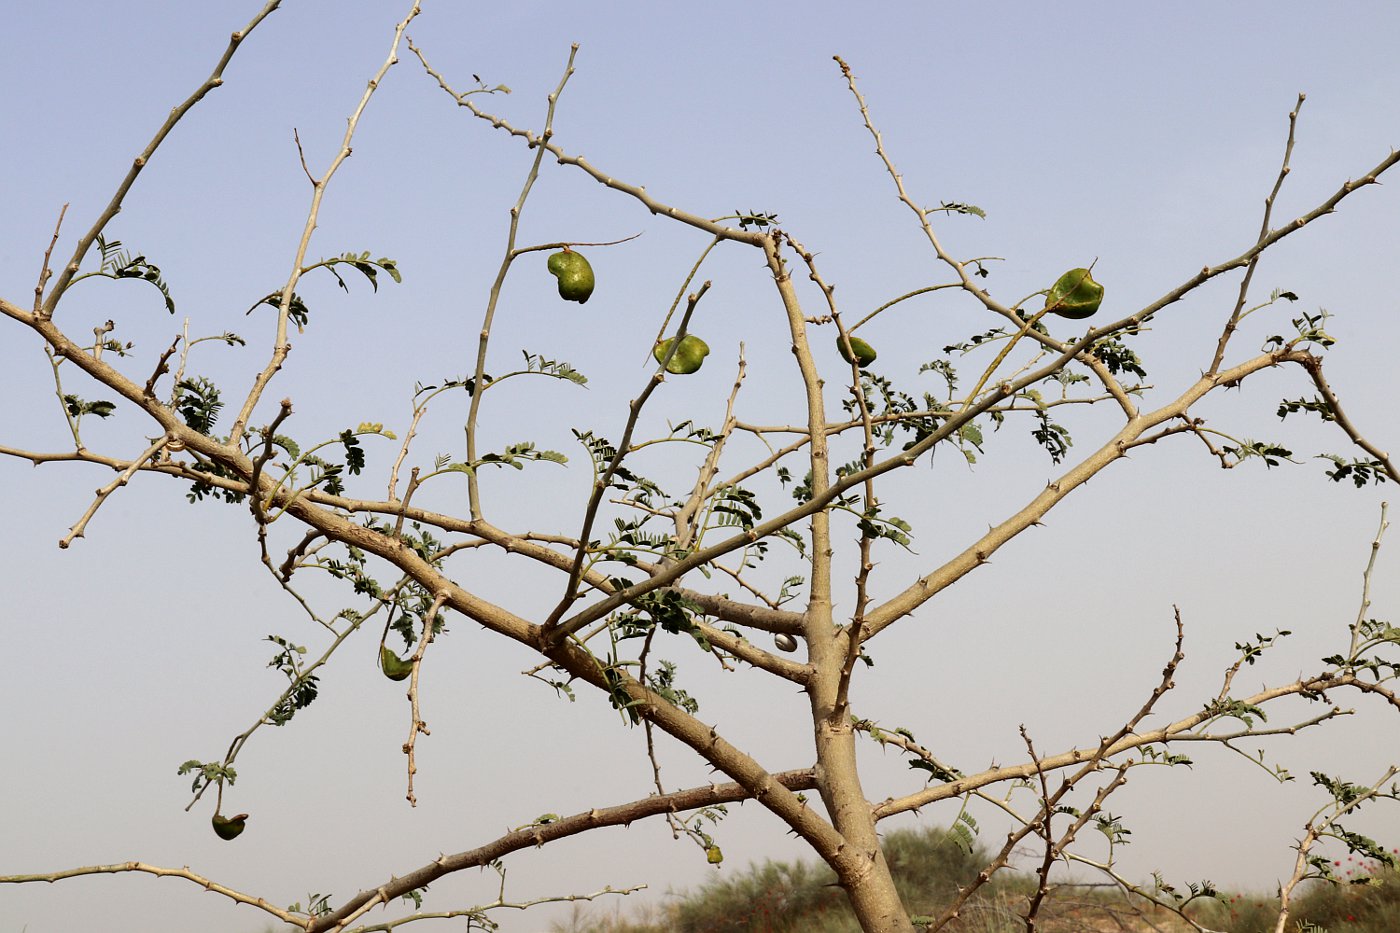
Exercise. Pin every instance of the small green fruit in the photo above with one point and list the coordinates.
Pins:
(1074, 295)
(395, 667)
(689, 355)
(865, 353)
(713, 855)
(574, 273)
(228, 827)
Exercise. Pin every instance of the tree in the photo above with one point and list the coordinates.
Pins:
(727, 540)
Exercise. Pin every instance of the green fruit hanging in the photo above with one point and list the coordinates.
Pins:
(865, 353)
(395, 667)
(228, 827)
(688, 357)
(713, 855)
(1074, 295)
(574, 273)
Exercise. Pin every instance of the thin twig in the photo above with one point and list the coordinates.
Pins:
(1334, 405)
(540, 834)
(1365, 608)
(680, 293)
(281, 346)
(266, 718)
(418, 725)
(479, 376)
(685, 517)
(1316, 830)
(215, 79)
(45, 271)
(636, 191)
(1253, 263)
(601, 482)
(301, 154)
(122, 479)
(207, 884)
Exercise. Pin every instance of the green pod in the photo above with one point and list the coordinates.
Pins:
(574, 273)
(864, 352)
(228, 827)
(1074, 295)
(395, 667)
(689, 356)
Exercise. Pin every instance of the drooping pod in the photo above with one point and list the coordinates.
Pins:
(574, 273)
(395, 667)
(1074, 295)
(228, 827)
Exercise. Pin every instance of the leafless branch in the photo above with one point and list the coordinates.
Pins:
(418, 725)
(45, 271)
(1264, 231)
(122, 479)
(215, 79)
(542, 833)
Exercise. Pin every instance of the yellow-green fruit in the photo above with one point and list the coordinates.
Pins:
(865, 353)
(689, 355)
(713, 855)
(228, 827)
(574, 273)
(1074, 295)
(395, 667)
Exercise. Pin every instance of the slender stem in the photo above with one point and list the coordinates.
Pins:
(1334, 407)
(680, 293)
(122, 479)
(215, 79)
(45, 270)
(479, 376)
(1366, 584)
(635, 191)
(1317, 828)
(281, 346)
(1253, 263)
(417, 725)
(601, 483)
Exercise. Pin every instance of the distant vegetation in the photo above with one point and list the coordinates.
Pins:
(929, 866)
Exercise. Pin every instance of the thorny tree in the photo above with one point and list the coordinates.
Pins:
(656, 562)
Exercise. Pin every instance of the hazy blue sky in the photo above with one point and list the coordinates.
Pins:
(1143, 137)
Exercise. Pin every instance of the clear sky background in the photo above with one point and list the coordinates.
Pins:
(1141, 136)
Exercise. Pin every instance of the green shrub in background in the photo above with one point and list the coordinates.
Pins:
(1368, 901)
(778, 897)
(929, 865)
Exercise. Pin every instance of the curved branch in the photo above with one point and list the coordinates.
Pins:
(539, 834)
(79, 527)
(1253, 263)
(215, 79)
(281, 346)
(635, 191)
(484, 338)
(978, 553)
(207, 884)
(1314, 367)
(1265, 240)
(1175, 732)
(602, 481)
